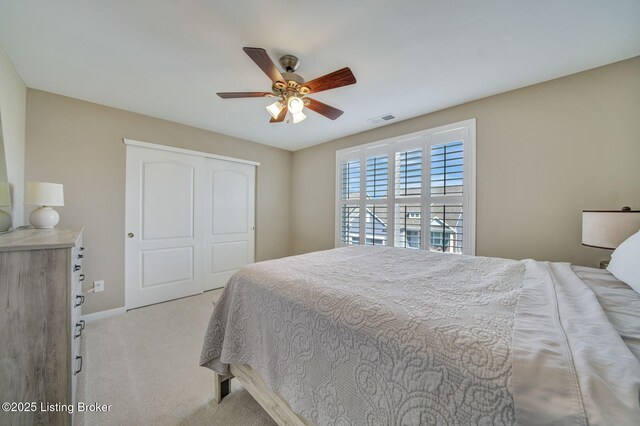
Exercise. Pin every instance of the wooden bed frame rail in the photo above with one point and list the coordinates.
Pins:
(274, 404)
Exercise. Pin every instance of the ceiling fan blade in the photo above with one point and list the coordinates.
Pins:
(260, 57)
(281, 116)
(324, 109)
(231, 95)
(342, 77)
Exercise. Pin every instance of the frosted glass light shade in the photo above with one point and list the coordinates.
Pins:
(275, 109)
(295, 105)
(44, 194)
(298, 117)
(607, 229)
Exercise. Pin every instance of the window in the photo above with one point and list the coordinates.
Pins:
(350, 224)
(350, 180)
(376, 225)
(377, 177)
(415, 191)
(409, 173)
(408, 225)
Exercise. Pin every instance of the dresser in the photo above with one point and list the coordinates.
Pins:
(40, 326)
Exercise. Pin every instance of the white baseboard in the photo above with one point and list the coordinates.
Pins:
(104, 314)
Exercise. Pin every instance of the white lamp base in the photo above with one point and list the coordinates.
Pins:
(5, 221)
(44, 218)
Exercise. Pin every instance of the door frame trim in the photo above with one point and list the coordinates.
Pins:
(187, 151)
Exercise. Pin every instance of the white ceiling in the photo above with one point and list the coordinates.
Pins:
(168, 58)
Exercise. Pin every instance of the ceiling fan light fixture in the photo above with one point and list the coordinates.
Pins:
(295, 105)
(275, 109)
(298, 117)
(290, 88)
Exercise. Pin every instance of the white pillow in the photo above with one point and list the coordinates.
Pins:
(625, 262)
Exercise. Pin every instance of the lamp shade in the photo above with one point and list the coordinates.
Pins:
(44, 194)
(607, 229)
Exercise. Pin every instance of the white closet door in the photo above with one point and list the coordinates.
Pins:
(164, 226)
(230, 224)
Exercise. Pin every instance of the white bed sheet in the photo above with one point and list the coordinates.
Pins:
(619, 301)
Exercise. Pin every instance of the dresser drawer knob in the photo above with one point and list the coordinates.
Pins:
(81, 277)
(81, 300)
(76, 268)
(78, 357)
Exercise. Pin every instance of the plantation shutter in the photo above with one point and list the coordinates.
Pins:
(377, 190)
(446, 193)
(350, 211)
(414, 192)
(408, 194)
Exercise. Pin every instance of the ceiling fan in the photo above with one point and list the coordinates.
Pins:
(291, 89)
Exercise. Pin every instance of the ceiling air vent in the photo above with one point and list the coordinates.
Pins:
(382, 119)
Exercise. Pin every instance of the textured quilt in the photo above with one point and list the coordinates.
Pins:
(382, 336)
(376, 336)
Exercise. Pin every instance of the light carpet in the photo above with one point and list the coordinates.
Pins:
(145, 364)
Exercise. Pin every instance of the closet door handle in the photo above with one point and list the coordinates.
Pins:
(80, 256)
(76, 268)
(81, 277)
(81, 248)
(78, 357)
(82, 324)
(130, 235)
(81, 300)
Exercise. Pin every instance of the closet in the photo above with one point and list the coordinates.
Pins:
(189, 221)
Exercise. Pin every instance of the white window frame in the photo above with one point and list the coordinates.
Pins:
(463, 130)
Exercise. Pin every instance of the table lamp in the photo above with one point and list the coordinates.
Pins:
(607, 229)
(44, 194)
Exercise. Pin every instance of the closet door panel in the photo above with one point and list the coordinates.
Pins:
(164, 226)
(229, 256)
(231, 231)
(166, 266)
(230, 202)
(167, 200)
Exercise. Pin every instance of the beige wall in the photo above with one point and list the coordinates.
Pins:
(79, 144)
(13, 99)
(544, 153)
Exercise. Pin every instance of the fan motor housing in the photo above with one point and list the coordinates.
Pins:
(293, 81)
(290, 63)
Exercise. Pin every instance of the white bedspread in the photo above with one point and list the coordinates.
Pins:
(380, 336)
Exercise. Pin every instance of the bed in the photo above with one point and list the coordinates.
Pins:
(380, 336)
